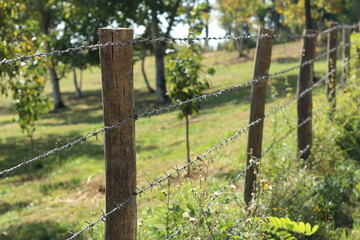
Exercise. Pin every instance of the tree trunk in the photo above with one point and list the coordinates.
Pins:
(46, 18)
(159, 52)
(240, 47)
(78, 93)
(308, 15)
(58, 103)
(160, 73)
(239, 44)
(150, 89)
(31, 150)
(187, 144)
(276, 17)
(207, 48)
(81, 78)
(207, 26)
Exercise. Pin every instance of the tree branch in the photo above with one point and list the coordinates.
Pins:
(172, 17)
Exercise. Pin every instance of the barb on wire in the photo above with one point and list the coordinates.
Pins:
(301, 152)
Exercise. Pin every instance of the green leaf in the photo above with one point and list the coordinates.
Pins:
(302, 227)
(307, 228)
(211, 71)
(314, 229)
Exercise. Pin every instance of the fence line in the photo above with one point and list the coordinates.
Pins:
(168, 108)
(160, 39)
(199, 158)
(161, 109)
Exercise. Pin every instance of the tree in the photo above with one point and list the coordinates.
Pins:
(298, 13)
(24, 80)
(309, 24)
(48, 14)
(236, 16)
(160, 8)
(141, 51)
(30, 102)
(81, 21)
(183, 70)
(206, 17)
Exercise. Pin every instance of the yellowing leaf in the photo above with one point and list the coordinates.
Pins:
(40, 80)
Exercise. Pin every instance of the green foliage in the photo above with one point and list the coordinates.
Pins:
(283, 228)
(184, 68)
(183, 73)
(30, 102)
(19, 36)
(349, 120)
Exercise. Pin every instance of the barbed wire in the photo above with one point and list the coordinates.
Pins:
(149, 40)
(163, 109)
(254, 162)
(198, 158)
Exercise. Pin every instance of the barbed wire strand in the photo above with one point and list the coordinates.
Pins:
(160, 110)
(154, 40)
(198, 158)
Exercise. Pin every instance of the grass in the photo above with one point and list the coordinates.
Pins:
(68, 187)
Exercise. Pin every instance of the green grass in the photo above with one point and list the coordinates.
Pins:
(68, 187)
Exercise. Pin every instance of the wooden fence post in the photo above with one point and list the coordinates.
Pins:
(120, 155)
(304, 104)
(257, 109)
(346, 53)
(331, 80)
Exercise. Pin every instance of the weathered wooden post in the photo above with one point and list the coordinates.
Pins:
(257, 109)
(346, 53)
(331, 80)
(120, 155)
(304, 104)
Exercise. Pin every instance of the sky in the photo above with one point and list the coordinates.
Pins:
(181, 30)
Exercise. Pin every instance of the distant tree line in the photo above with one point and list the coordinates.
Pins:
(44, 25)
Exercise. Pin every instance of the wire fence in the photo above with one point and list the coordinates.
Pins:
(160, 110)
